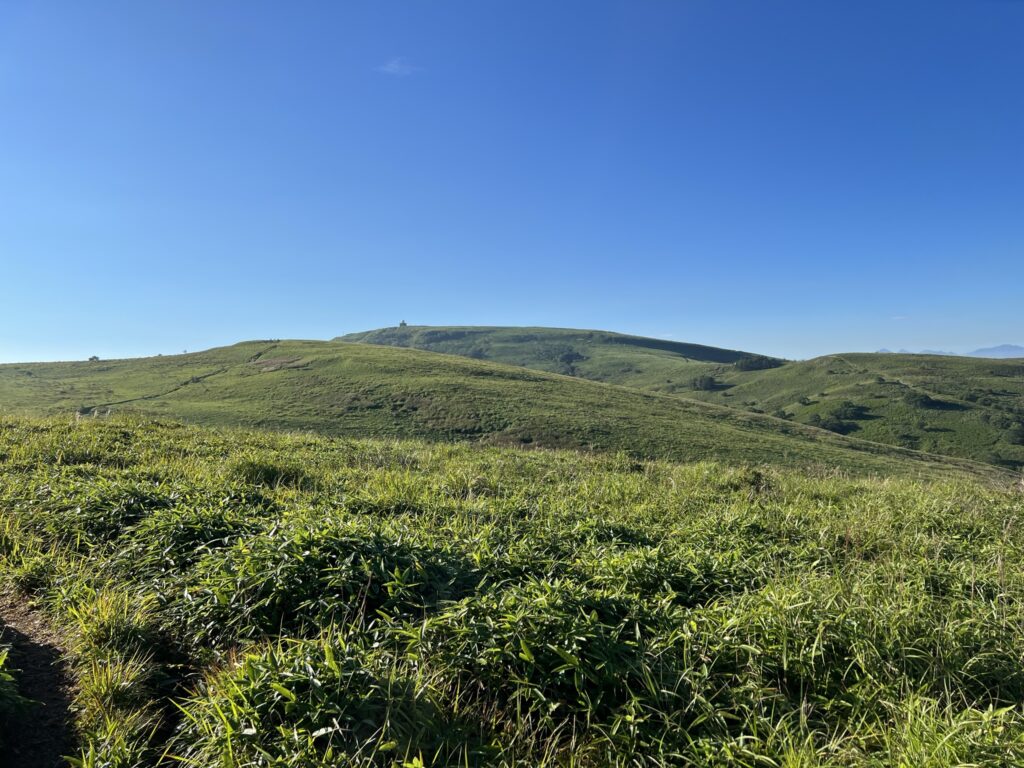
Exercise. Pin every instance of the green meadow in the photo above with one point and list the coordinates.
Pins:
(347, 389)
(956, 406)
(241, 598)
(515, 547)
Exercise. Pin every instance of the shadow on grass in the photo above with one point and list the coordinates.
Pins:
(43, 734)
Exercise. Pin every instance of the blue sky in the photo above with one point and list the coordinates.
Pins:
(794, 178)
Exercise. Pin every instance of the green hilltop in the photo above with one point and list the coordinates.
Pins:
(654, 364)
(955, 406)
(340, 388)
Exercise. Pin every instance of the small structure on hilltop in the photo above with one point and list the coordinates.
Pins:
(403, 324)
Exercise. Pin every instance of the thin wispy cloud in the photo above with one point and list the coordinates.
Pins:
(397, 67)
(900, 317)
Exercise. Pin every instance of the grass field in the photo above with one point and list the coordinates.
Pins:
(966, 407)
(339, 388)
(258, 599)
(949, 405)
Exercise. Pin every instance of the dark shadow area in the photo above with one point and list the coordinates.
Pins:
(691, 351)
(945, 405)
(44, 734)
(921, 400)
(707, 383)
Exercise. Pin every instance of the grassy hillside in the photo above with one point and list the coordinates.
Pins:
(950, 405)
(359, 390)
(256, 599)
(654, 364)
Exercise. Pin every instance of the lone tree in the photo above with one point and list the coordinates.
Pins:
(94, 359)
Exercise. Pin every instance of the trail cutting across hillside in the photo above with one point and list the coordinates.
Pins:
(198, 379)
(44, 735)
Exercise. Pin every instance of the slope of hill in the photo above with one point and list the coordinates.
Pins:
(357, 389)
(955, 406)
(255, 599)
(654, 364)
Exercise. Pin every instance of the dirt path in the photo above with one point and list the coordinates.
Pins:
(171, 391)
(157, 395)
(44, 735)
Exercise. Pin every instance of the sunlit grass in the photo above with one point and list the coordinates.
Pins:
(257, 599)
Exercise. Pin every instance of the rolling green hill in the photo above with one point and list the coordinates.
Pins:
(350, 389)
(657, 365)
(955, 406)
(950, 405)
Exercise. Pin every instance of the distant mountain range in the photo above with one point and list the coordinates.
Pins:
(1002, 352)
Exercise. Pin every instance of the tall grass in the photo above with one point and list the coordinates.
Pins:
(247, 599)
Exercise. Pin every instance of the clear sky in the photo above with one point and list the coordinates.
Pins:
(793, 178)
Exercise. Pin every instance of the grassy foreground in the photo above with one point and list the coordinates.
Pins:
(257, 599)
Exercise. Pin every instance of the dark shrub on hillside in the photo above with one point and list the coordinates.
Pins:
(756, 363)
(832, 424)
(919, 399)
(849, 410)
(1015, 435)
(704, 383)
